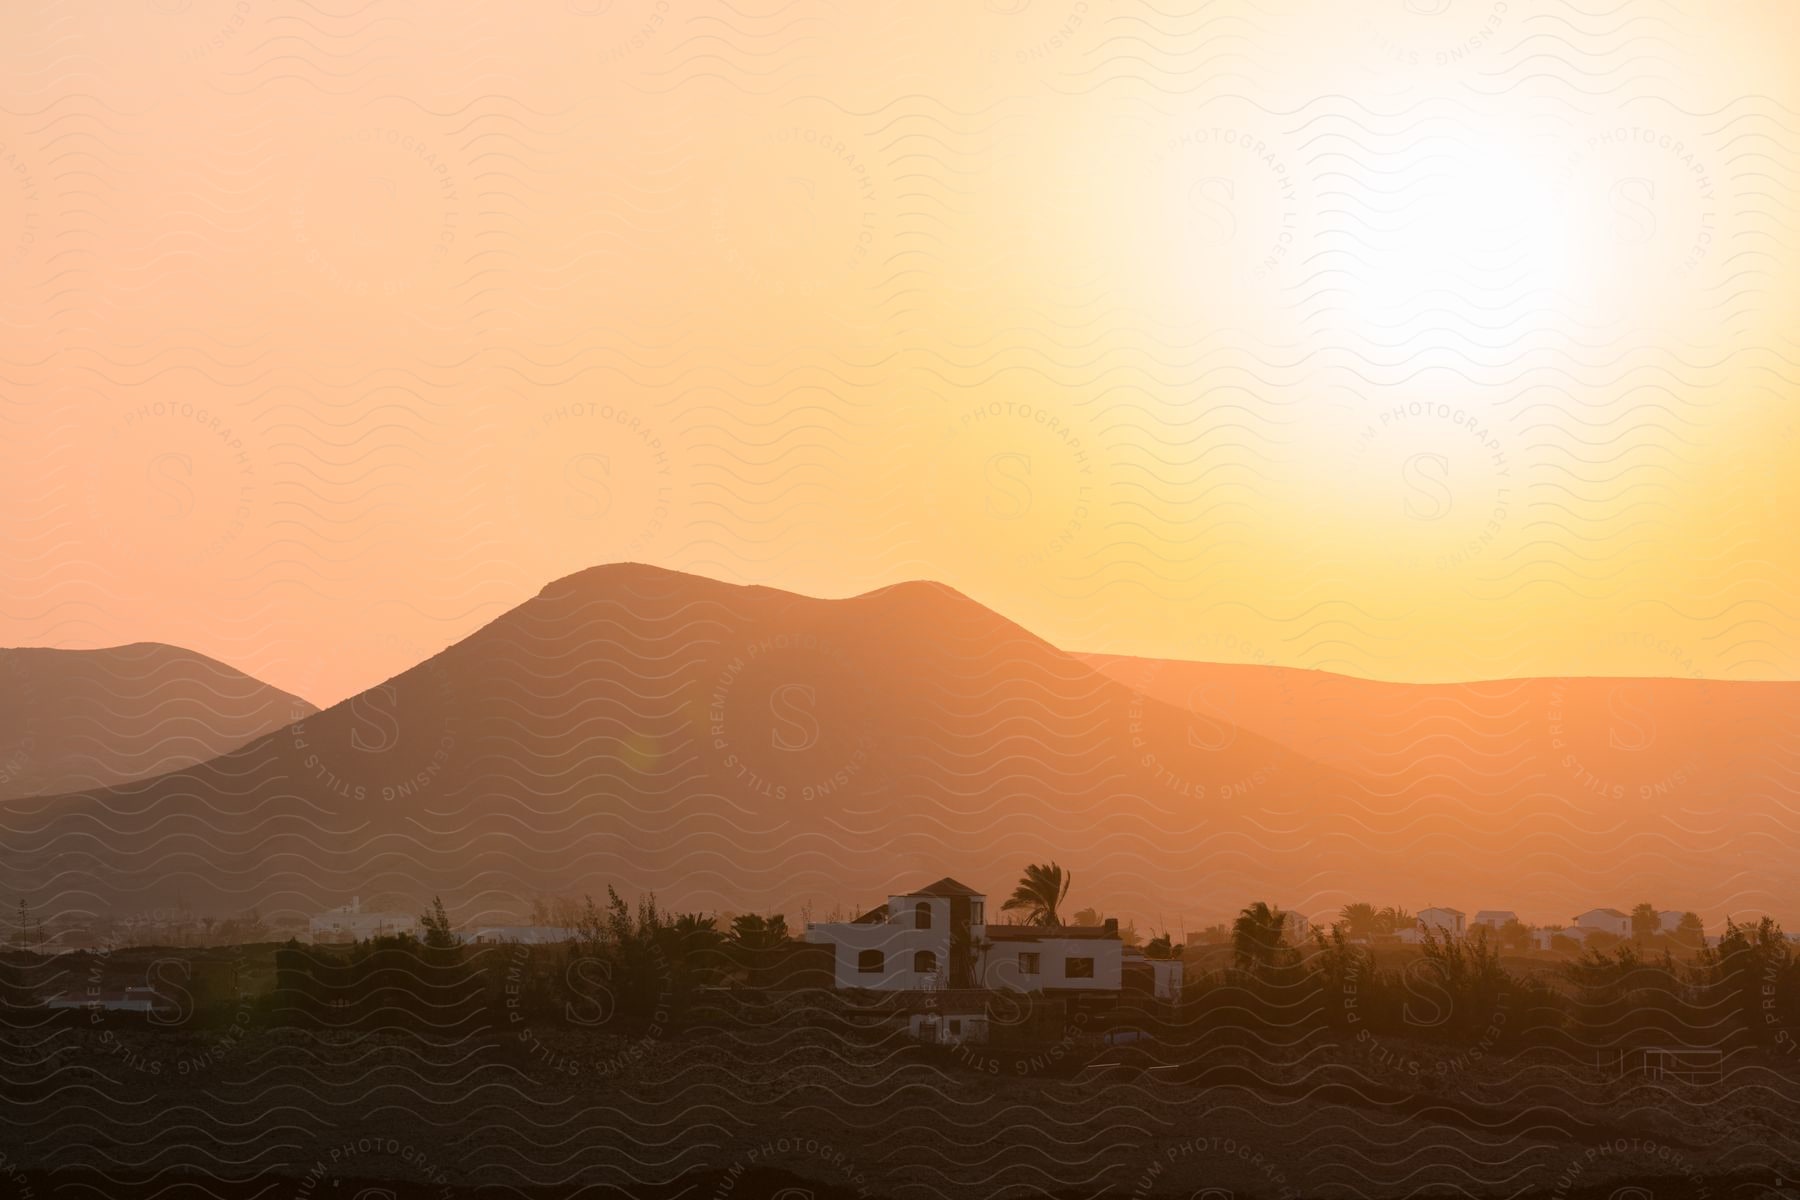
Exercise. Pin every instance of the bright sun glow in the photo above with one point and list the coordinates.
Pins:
(1465, 231)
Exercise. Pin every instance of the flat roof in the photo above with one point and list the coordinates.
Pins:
(1040, 933)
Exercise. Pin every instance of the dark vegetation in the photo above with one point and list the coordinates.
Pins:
(655, 1004)
(627, 968)
(1461, 991)
(638, 968)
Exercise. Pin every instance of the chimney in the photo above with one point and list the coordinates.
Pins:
(1112, 925)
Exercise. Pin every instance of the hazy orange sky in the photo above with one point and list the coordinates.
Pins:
(1414, 339)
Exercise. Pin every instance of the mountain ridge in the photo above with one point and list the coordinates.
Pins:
(731, 746)
(77, 718)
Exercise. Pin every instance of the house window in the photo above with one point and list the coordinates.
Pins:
(1028, 963)
(925, 962)
(977, 912)
(1078, 968)
(871, 962)
(955, 1028)
(922, 915)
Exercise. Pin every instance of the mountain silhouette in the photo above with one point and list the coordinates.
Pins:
(72, 719)
(743, 747)
(724, 745)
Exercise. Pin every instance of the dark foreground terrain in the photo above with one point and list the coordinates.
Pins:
(659, 1057)
(791, 1095)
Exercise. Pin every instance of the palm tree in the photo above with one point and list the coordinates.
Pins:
(1256, 937)
(693, 927)
(1040, 890)
(1360, 919)
(757, 932)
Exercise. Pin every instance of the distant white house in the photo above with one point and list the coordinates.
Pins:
(1443, 920)
(1603, 920)
(1495, 918)
(521, 935)
(132, 999)
(1669, 920)
(351, 924)
(938, 938)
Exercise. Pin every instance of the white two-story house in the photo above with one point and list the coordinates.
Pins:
(939, 938)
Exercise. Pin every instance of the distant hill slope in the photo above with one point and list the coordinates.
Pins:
(73, 719)
(1607, 791)
(1651, 742)
(741, 747)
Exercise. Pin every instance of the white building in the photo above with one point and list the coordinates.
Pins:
(949, 1018)
(132, 999)
(1603, 920)
(938, 938)
(1166, 976)
(1669, 920)
(1031, 958)
(351, 924)
(518, 935)
(1443, 920)
(1495, 918)
(1296, 927)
